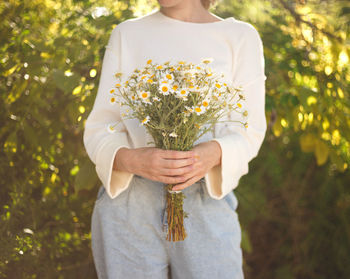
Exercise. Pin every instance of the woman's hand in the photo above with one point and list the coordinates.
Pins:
(209, 155)
(166, 166)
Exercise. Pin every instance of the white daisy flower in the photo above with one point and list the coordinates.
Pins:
(112, 91)
(183, 92)
(112, 100)
(218, 85)
(111, 128)
(199, 109)
(173, 88)
(205, 103)
(164, 88)
(173, 134)
(144, 95)
(167, 76)
(145, 120)
(207, 60)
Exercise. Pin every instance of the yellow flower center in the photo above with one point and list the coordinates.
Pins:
(239, 105)
(175, 87)
(198, 109)
(144, 95)
(205, 103)
(183, 92)
(118, 85)
(169, 76)
(112, 91)
(112, 99)
(164, 88)
(218, 85)
(149, 61)
(160, 67)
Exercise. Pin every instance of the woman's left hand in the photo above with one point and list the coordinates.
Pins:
(208, 155)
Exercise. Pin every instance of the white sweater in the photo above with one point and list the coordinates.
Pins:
(237, 50)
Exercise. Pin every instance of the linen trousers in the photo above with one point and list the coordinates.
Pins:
(128, 234)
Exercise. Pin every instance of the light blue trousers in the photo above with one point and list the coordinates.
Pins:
(129, 235)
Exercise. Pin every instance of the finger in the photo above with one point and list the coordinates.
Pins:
(172, 179)
(176, 154)
(185, 184)
(177, 163)
(177, 171)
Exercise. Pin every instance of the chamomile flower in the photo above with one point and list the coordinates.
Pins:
(174, 87)
(208, 72)
(111, 128)
(199, 109)
(173, 134)
(205, 103)
(169, 77)
(164, 88)
(183, 92)
(145, 120)
(218, 85)
(112, 100)
(207, 60)
(144, 95)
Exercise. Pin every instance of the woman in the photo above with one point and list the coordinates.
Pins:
(129, 216)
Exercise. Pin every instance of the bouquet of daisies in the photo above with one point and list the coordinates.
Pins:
(177, 103)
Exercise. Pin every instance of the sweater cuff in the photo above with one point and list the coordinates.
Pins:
(115, 181)
(223, 178)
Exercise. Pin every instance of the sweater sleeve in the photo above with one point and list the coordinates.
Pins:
(101, 145)
(240, 145)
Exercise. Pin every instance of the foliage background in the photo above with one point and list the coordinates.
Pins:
(294, 205)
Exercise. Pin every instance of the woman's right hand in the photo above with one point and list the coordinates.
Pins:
(166, 166)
